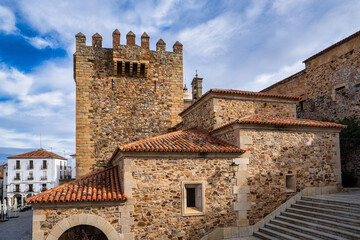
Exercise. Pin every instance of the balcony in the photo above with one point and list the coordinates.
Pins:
(30, 178)
(17, 190)
(44, 178)
(43, 189)
(17, 167)
(17, 178)
(30, 190)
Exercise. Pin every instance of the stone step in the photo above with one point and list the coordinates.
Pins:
(325, 216)
(290, 232)
(334, 228)
(261, 235)
(327, 211)
(313, 229)
(329, 206)
(333, 201)
(323, 222)
(276, 234)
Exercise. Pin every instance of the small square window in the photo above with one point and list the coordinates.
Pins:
(290, 183)
(193, 198)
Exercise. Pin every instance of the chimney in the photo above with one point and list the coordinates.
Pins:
(145, 41)
(80, 41)
(97, 40)
(196, 85)
(160, 45)
(116, 38)
(130, 39)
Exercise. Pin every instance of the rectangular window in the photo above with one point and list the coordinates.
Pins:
(43, 187)
(193, 198)
(135, 68)
(290, 183)
(17, 176)
(142, 70)
(302, 104)
(44, 176)
(31, 176)
(119, 68)
(44, 166)
(31, 164)
(17, 188)
(60, 165)
(17, 164)
(127, 68)
(31, 188)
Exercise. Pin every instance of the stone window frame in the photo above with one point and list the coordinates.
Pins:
(197, 211)
(337, 87)
(291, 188)
(141, 65)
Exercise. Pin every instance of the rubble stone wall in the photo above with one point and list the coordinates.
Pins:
(200, 117)
(312, 157)
(46, 221)
(157, 190)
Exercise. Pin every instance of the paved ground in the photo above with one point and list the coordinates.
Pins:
(351, 196)
(17, 228)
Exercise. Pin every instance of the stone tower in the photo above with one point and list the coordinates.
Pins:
(196, 85)
(123, 94)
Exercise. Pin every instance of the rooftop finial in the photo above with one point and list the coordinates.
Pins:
(196, 75)
(185, 88)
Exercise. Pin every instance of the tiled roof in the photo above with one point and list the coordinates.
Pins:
(242, 93)
(73, 155)
(281, 121)
(104, 185)
(40, 153)
(191, 140)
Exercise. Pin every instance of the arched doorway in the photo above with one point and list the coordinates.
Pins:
(17, 198)
(83, 232)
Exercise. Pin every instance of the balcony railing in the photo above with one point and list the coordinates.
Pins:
(17, 190)
(43, 189)
(30, 178)
(30, 190)
(44, 178)
(16, 178)
(17, 167)
(30, 167)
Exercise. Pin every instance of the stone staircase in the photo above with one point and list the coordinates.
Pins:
(316, 217)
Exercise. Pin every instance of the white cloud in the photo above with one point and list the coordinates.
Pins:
(266, 79)
(40, 43)
(13, 82)
(7, 20)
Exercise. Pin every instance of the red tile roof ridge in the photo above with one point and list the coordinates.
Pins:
(265, 119)
(81, 189)
(240, 92)
(190, 140)
(40, 153)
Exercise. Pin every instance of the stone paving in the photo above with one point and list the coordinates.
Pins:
(17, 228)
(352, 195)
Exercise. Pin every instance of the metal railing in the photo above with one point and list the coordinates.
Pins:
(44, 178)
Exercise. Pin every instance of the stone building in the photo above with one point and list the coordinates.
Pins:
(329, 87)
(229, 160)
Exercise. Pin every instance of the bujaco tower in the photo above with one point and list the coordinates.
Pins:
(123, 94)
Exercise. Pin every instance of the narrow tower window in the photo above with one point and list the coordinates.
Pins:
(135, 67)
(142, 70)
(119, 67)
(127, 68)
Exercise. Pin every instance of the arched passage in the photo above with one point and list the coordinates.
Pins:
(80, 232)
(83, 219)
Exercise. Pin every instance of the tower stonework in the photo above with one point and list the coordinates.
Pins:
(123, 94)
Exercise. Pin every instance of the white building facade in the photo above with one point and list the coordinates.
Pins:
(31, 173)
(73, 166)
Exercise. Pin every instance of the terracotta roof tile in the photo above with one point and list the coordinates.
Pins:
(104, 185)
(242, 93)
(281, 121)
(40, 153)
(191, 140)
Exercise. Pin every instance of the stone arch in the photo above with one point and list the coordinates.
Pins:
(83, 219)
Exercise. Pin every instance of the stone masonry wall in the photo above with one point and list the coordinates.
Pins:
(312, 157)
(200, 117)
(114, 108)
(119, 216)
(227, 110)
(218, 111)
(157, 190)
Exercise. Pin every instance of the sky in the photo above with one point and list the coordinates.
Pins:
(236, 44)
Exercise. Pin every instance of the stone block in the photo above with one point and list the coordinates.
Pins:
(38, 235)
(241, 189)
(242, 197)
(246, 231)
(242, 214)
(64, 224)
(216, 234)
(51, 237)
(242, 206)
(241, 161)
